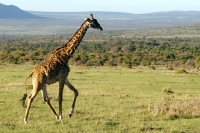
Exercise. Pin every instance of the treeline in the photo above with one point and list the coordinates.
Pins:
(111, 51)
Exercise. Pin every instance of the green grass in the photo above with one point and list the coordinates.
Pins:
(110, 100)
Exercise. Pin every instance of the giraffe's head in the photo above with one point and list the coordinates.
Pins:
(91, 22)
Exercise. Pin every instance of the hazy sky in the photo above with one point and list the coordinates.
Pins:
(129, 6)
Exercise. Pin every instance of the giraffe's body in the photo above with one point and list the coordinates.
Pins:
(56, 69)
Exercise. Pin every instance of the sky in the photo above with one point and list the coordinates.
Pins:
(128, 6)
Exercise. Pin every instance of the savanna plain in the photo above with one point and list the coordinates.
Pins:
(111, 99)
(129, 81)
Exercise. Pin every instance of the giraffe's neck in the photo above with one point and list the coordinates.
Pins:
(65, 52)
(73, 43)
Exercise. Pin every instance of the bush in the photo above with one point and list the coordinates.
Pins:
(152, 67)
(181, 72)
(145, 63)
(167, 90)
(170, 68)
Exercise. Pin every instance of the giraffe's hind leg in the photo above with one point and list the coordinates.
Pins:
(30, 100)
(46, 99)
(71, 87)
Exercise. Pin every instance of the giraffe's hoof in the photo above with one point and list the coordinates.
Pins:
(25, 121)
(59, 118)
(71, 112)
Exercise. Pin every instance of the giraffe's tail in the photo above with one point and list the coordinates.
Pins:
(25, 94)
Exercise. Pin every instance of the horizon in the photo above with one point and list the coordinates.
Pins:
(125, 6)
(111, 12)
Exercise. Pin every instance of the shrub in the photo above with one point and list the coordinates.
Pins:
(167, 90)
(181, 72)
(170, 68)
(152, 67)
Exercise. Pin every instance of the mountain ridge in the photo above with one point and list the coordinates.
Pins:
(68, 22)
(13, 12)
(106, 14)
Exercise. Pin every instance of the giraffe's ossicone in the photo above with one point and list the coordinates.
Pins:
(56, 69)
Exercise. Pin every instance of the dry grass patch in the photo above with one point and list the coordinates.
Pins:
(167, 90)
(173, 108)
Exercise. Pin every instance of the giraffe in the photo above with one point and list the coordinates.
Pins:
(55, 69)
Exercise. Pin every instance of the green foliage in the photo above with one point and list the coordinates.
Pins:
(111, 51)
(197, 62)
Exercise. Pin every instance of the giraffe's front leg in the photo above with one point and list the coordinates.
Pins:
(60, 97)
(71, 87)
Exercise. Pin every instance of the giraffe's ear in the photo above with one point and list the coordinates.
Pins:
(91, 17)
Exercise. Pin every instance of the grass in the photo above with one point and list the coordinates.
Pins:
(110, 100)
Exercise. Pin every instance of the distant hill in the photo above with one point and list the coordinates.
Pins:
(69, 22)
(172, 14)
(121, 15)
(81, 15)
(13, 12)
(120, 20)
